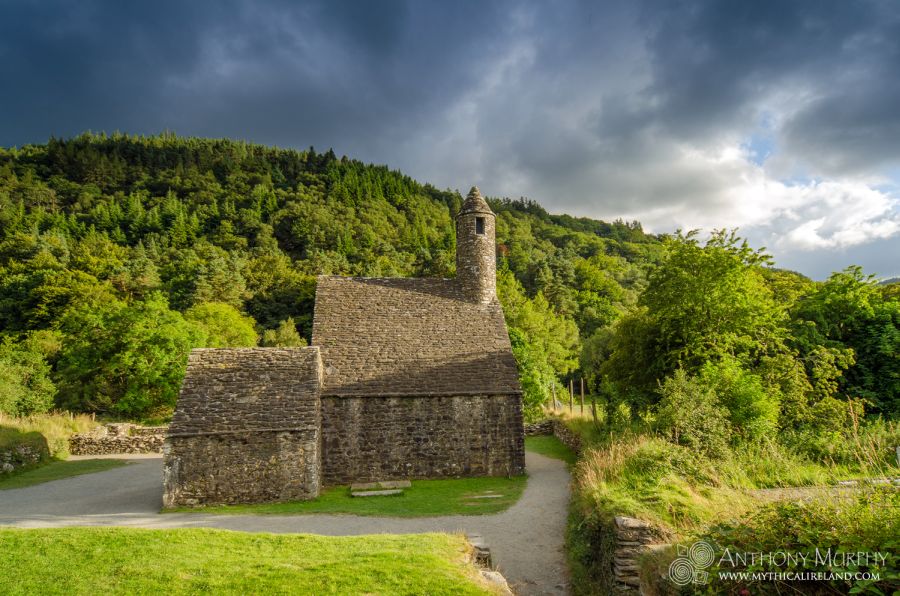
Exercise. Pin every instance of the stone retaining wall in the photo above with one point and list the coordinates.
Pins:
(567, 437)
(633, 538)
(115, 438)
(557, 428)
(544, 427)
(23, 455)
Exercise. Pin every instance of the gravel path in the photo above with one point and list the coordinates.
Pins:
(526, 540)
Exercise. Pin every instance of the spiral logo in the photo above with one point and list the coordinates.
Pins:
(702, 554)
(688, 566)
(681, 572)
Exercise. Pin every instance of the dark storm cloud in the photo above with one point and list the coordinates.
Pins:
(604, 109)
(282, 72)
(836, 64)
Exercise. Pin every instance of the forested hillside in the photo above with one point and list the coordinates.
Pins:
(118, 254)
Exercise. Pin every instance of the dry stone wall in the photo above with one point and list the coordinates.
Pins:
(112, 439)
(566, 436)
(366, 439)
(633, 538)
(21, 456)
(246, 428)
(536, 429)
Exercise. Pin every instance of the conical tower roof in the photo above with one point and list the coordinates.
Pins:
(475, 203)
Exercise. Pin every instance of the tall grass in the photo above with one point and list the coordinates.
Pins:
(633, 471)
(653, 479)
(56, 427)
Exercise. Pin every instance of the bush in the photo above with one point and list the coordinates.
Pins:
(224, 325)
(25, 385)
(868, 522)
(11, 439)
(689, 413)
(752, 410)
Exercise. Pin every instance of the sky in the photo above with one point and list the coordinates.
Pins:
(778, 117)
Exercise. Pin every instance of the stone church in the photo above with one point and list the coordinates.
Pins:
(405, 378)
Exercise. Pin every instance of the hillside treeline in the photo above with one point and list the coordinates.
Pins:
(119, 253)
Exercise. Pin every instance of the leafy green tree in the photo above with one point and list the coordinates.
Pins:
(283, 336)
(545, 343)
(690, 414)
(847, 323)
(710, 301)
(223, 324)
(124, 359)
(535, 374)
(25, 385)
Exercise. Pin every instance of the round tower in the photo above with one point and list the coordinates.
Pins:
(476, 249)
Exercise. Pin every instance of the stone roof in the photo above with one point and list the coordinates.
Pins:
(228, 390)
(475, 203)
(403, 336)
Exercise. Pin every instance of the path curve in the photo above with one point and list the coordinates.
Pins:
(526, 540)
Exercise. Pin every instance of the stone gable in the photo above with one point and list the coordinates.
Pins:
(247, 428)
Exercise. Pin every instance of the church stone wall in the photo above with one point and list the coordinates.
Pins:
(243, 467)
(384, 438)
(246, 428)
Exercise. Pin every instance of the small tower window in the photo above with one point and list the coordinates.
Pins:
(479, 225)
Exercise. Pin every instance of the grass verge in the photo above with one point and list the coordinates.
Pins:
(632, 471)
(56, 427)
(426, 498)
(191, 561)
(57, 470)
(550, 446)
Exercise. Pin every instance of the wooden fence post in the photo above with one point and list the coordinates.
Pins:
(571, 396)
(582, 395)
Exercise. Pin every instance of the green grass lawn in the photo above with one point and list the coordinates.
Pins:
(426, 498)
(192, 561)
(551, 447)
(58, 469)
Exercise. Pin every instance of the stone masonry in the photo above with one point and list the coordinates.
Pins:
(118, 438)
(417, 380)
(365, 439)
(476, 258)
(246, 428)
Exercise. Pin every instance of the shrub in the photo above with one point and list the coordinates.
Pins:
(868, 522)
(25, 385)
(689, 413)
(752, 410)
